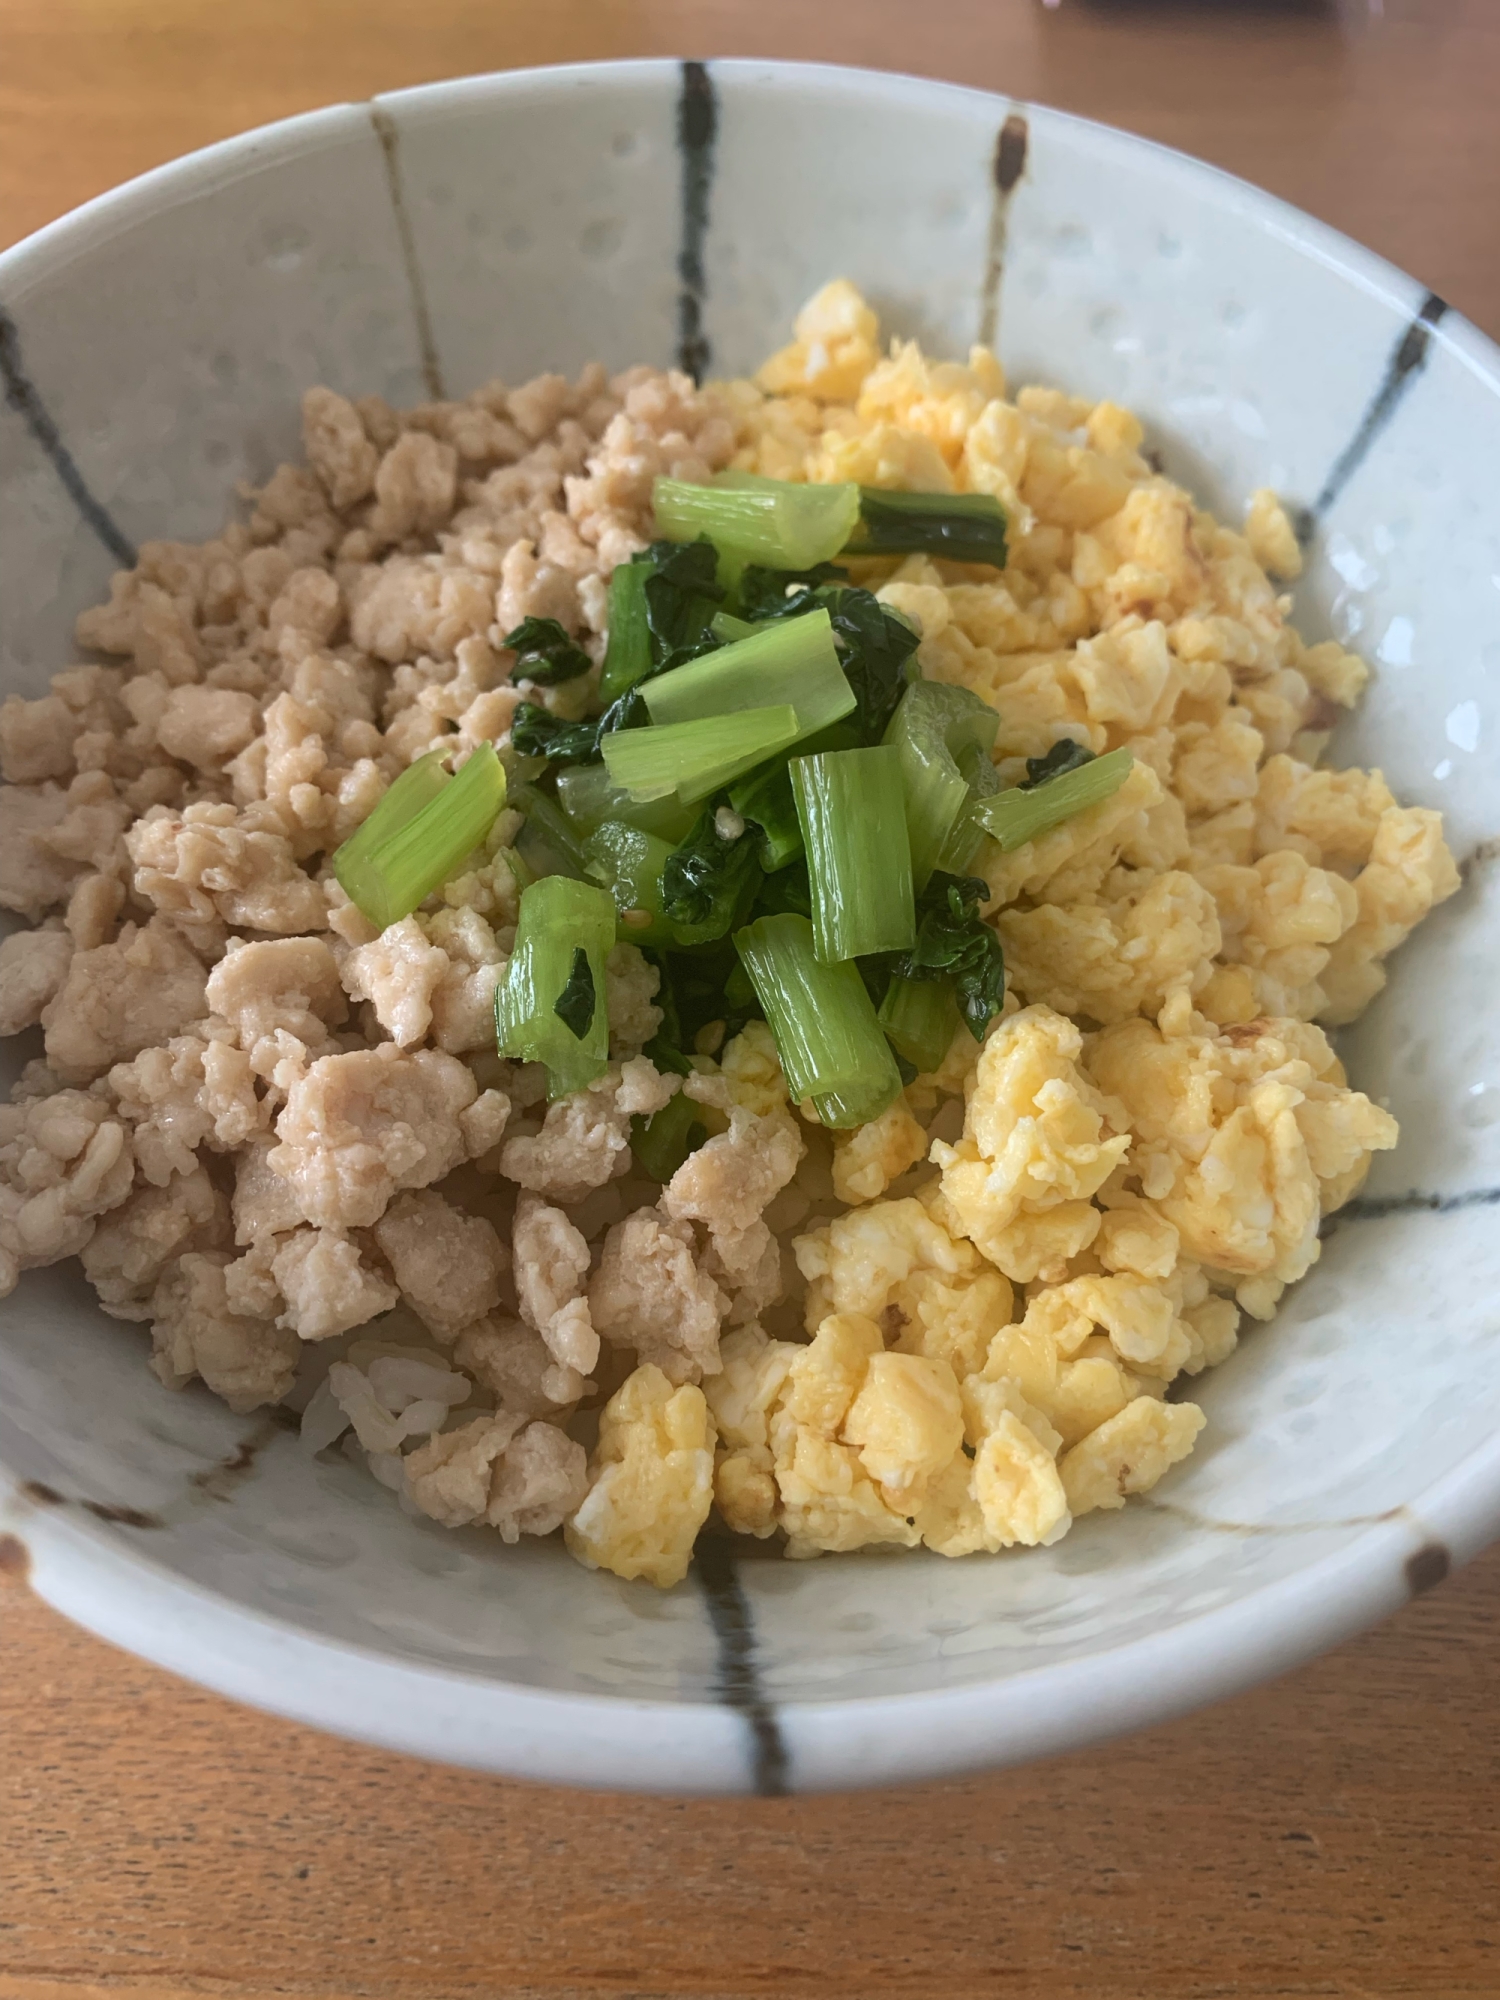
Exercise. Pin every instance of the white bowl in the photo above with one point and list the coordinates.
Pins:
(155, 347)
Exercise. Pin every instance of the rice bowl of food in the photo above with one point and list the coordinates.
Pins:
(719, 1073)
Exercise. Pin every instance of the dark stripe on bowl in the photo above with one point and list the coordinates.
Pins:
(1007, 165)
(387, 132)
(1375, 1207)
(39, 1494)
(739, 1676)
(21, 395)
(697, 129)
(1427, 1568)
(219, 1481)
(1407, 360)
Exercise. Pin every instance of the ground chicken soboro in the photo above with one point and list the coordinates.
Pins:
(261, 1125)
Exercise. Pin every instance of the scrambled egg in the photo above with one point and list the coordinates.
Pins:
(1039, 1142)
(651, 1481)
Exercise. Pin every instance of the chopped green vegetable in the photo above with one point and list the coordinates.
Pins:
(955, 943)
(700, 986)
(627, 656)
(418, 785)
(548, 840)
(726, 628)
(849, 803)
(962, 527)
(749, 519)
(764, 799)
(707, 881)
(693, 759)
(1066, 754)
(876, 643)
(768, 593)
(410, 855)
(682, 593)
(662, 1142)
(629, 863)
(661, 604)
(589, 797)
(842, 1109)
(536, 732)
(1027, 811)
(764, 796)
(574, 1006)
(961, 848)
(919, 1015)
(788, 889)
(830, 1043)
(788, 525)
(793, 661)
(662, 1047)
(559, 920)
(545, 653)
(933, 725)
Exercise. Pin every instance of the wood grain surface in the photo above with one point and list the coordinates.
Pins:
(1336, 1833)
(1377, 115)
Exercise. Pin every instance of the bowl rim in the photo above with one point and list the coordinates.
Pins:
(101, 1577)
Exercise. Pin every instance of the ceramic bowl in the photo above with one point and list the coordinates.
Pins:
(154, 347)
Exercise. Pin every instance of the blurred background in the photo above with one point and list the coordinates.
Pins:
(1377, 115)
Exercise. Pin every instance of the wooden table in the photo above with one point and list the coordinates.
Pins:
(1336, 1833)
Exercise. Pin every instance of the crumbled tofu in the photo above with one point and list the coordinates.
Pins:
(448, 1265)
(63, 1161)
(327, 1285)
(585, 1138)
(523, 1479)
(33, 966)
(399, 974)
(210, 860)
(248, 1362)
(121, 998)
(283, 998)
(357, 1128)
(630, 983)
(133, 1244)
(517, 1367)
(651, 1295)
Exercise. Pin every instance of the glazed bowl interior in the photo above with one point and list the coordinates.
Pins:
(155, 347)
